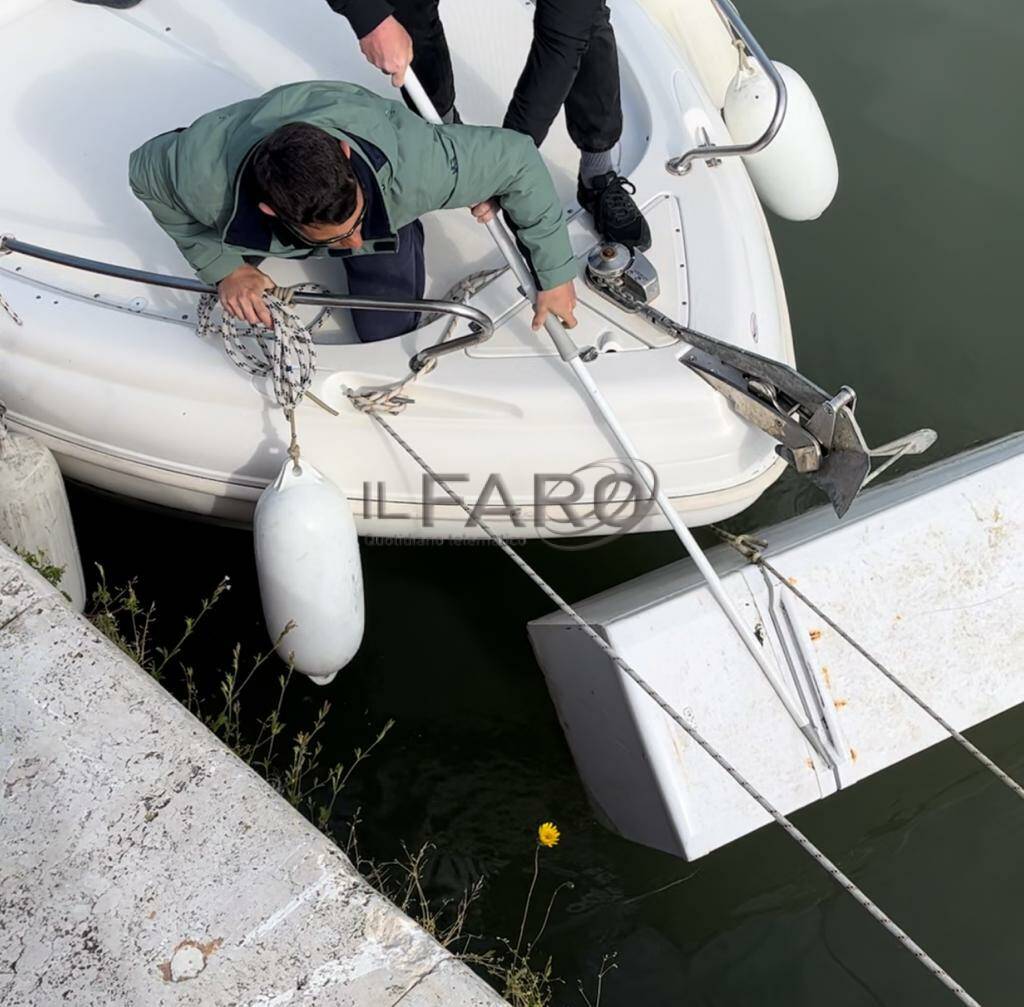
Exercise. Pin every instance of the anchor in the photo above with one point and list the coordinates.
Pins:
(817, 433)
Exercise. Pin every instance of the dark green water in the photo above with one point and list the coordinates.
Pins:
(906, 290)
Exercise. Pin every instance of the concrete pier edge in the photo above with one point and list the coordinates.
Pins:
(141, 862)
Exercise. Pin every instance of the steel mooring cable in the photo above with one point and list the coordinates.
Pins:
(751, 549)
(823, 861)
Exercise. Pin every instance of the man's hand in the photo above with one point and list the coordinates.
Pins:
(485, 211)
(241, 295)
(559, 301)
(389, 48)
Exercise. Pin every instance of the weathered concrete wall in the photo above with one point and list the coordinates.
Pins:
(142, 863)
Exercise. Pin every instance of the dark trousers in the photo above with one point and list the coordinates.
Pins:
(391, 276)
(573, 61)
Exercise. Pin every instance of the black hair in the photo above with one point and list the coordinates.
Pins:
(304, 177)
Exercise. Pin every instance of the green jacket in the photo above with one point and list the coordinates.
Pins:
(194, 180)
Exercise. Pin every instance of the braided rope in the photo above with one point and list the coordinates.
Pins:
(391, 398)
(286, 352)
(461, 292)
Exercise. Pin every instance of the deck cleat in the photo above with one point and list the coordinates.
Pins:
(817, 433)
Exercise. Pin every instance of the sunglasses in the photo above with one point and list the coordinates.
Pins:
(326, 242)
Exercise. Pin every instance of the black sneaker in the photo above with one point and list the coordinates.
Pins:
(608, 199)
(116, 4)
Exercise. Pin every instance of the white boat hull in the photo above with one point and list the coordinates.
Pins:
(112, 377)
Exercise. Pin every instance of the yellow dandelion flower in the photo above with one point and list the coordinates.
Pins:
(548, 834)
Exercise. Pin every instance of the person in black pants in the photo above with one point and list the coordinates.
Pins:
(573, 61)
(395, 36)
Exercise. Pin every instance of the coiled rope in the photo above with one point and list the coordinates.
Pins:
(287, 353)
(687, 727)
(391, 398)
(752, 549)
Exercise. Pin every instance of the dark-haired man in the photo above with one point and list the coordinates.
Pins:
(573, 62)
(326, 168)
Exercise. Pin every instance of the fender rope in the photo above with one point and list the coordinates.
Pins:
(391, 398)
(287, 353)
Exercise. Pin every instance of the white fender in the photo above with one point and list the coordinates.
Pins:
(307, 561)
(34, 512)
(797, 174)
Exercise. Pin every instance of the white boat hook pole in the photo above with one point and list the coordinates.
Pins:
(570, 353)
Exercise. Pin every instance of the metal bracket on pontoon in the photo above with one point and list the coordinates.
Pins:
(712, 152)
(481, 325)
(818, 433)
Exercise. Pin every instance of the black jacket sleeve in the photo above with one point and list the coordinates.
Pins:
(363, 15)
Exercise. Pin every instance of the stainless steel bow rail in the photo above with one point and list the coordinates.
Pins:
(711, 152)
(481, 325)
(817, 433)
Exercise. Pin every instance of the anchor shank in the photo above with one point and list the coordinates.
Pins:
(817, 433)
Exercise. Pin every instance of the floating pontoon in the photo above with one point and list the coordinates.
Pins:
(922, 573)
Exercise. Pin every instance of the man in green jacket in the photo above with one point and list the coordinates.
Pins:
(325, 168)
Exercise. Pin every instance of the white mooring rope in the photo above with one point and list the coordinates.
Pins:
(391, 398)
(287, 353)
(751, 548)
(823, 861)
(461, 291)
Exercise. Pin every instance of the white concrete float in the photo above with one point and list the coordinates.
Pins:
(142, 863)
(924, 572)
